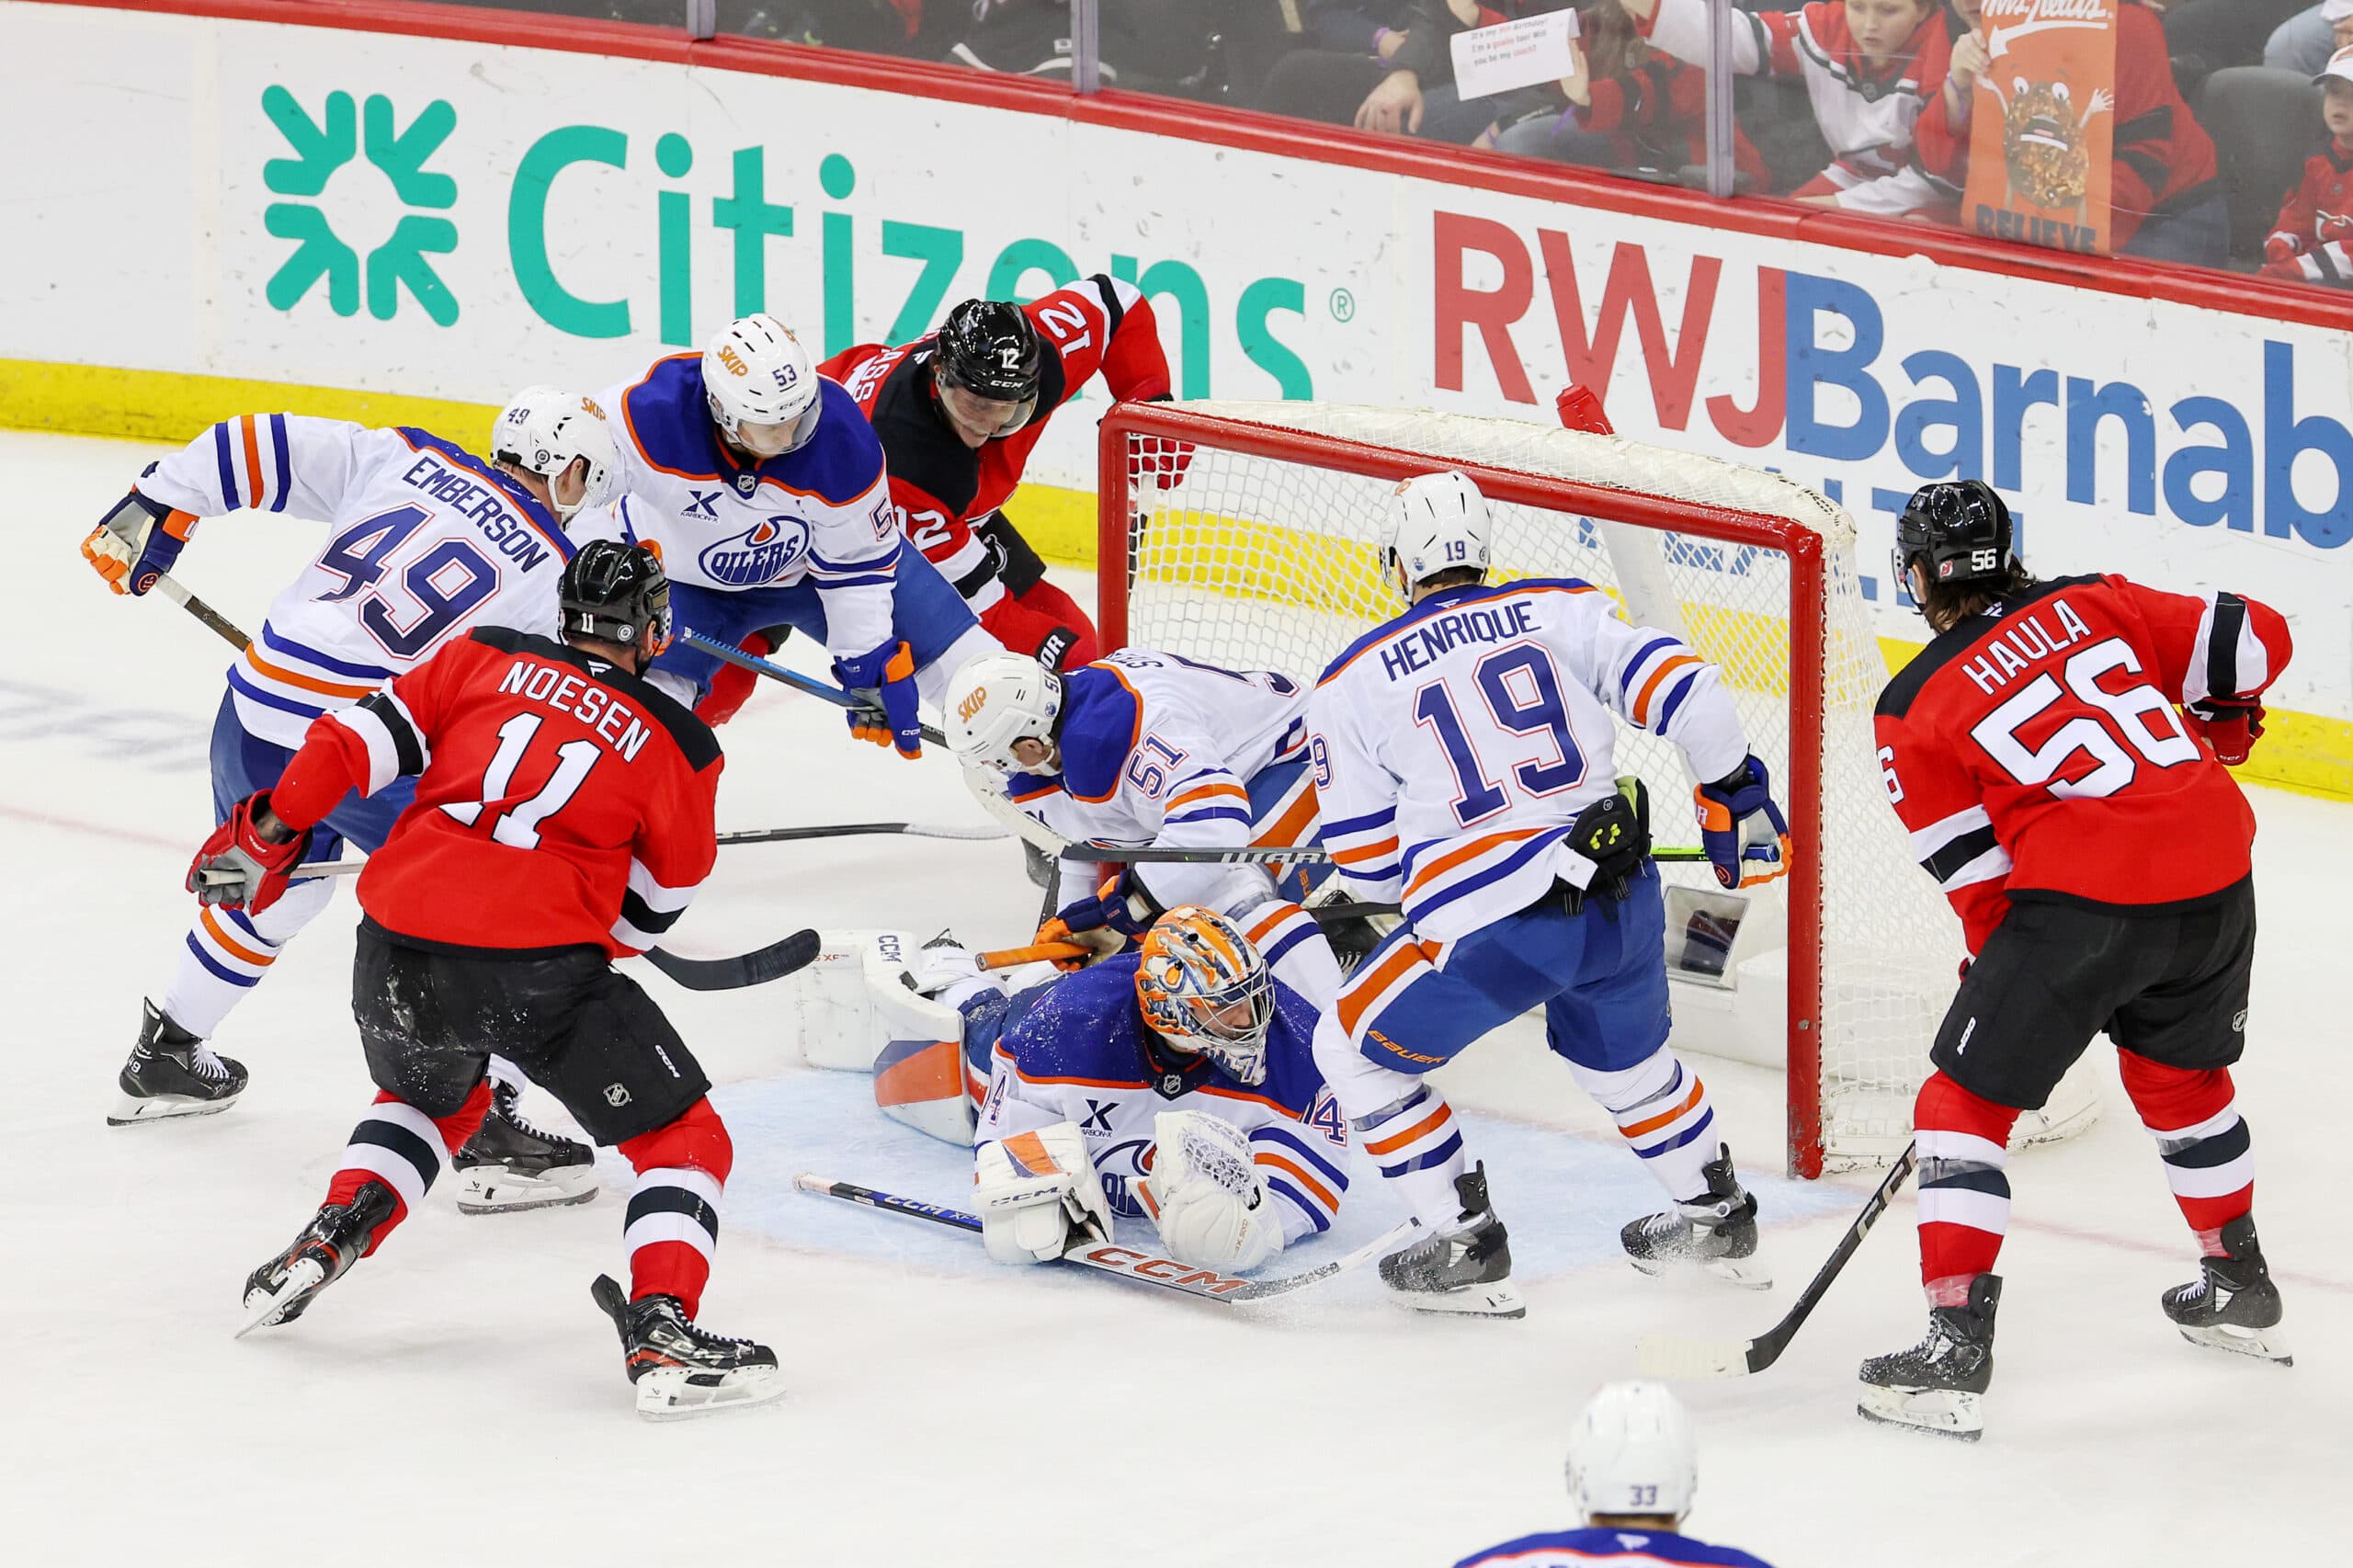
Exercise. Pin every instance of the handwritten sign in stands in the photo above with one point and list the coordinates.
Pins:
(1509, 56)
(2042, 126)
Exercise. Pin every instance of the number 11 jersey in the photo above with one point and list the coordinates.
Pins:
(2033, 750)
(425, 540)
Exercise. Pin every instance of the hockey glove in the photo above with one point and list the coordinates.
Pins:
(242, 868)
(1120, 904)
(1037, 1193)
(1207, 1194)
(137, 543)
(1162, 461)
(1613, 834)
(2231, 727)
(1743, 832)
(890, 673)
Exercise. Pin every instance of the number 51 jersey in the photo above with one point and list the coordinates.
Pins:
(2034, 750)
(425, 540)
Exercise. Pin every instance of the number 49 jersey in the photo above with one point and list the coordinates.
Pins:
(1454, 746)
(425, 538)
(2034, 750)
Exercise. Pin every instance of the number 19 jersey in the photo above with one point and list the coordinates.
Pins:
(1453, 747)
(425, 540)
(2034, 750)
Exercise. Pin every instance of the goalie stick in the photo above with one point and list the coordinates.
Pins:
(1109, 1257)
(1666, 1356)
(856, 702)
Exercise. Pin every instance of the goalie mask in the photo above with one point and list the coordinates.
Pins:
(1206, 990)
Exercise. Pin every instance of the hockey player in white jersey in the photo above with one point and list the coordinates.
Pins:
(1633, 1471)
(1145, 748)
(1462, 753)
(762, 485)
(1176, 1083)
(425, 541)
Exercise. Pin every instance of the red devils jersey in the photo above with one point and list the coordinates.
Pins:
(941, 486)
(560, 800)
(2033, 751)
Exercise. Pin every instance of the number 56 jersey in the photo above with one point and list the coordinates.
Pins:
(2033, 750)
(425, 540)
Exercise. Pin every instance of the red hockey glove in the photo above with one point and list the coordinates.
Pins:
(1580, 409)
(239, 866)
(1163, 462)
(2230, 728)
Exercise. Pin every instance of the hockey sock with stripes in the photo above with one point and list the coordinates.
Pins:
(404, 1148)
(1964, 1194)
(2201, 1138)
(672, 1227)
(1663, 1112)
(227, 952)
(1418, 1145)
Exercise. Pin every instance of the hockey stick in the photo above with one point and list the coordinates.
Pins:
(1665, 1356)
(173, 589)
(755, 836)
(756, 968)
(1144, 1268)
(856, 702)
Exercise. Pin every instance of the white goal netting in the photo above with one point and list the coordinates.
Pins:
(1270, 559)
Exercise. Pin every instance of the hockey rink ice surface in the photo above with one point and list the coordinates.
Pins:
(459, 1395)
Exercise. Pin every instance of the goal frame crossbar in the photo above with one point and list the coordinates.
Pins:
(1808, 631)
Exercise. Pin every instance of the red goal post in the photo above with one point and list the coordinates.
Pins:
(1246, 535)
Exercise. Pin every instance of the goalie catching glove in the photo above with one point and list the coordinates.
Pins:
(1037, 1193)
(1206, 1196)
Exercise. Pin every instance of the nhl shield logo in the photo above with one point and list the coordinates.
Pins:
(747, 484)
(617, 1095)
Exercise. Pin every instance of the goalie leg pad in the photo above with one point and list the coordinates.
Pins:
(1036, 1193)
(1207, 1194)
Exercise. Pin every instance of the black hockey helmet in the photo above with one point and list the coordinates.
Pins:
(613, 592)
(989, 349)
(1959, 527)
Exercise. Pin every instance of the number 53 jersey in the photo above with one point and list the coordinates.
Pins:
(2033, 751)
(425, 540)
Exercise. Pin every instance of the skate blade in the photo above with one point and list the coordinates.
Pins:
(265, 1309)
(130, 1109)
(1500, 1299)
(2264, 1344)
(1944, 1413)
(1690, 1360)
(494, 1189)
(1746, 1273)
(675, 1394)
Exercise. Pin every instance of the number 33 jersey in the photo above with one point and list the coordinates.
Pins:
(425, 540)
(1453, 746)
(560, 800)
(2034, 750)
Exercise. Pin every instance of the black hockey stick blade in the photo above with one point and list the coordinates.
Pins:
(1667, 1355)
(756, 968)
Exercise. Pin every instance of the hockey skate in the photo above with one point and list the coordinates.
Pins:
(1717, 1232)
(281, 1290)
(1936, 1385)
(509, 1165)
(680, 1369)
(172, 1072)
(1463, 1268)
(2232, 1304)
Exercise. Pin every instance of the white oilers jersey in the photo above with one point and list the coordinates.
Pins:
(1454, 746)
(1077, 1049)
(821, 514)
(1158, 749)
(426, 541)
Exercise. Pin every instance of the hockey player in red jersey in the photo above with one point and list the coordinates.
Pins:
(959, 412)
(562, 818)
(2100, 859)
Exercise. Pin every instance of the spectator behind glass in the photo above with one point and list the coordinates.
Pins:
(2164, 202)
(1417, 96)
(1628, 107)
(2204, 36)
(2305, 41)
(1345, 74)
(2310, 241)
(1864, 64)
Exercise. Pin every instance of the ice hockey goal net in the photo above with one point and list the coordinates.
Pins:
(1260, 550)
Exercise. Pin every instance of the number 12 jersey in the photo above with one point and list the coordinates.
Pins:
(2033, 751)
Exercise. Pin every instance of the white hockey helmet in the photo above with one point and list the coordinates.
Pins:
(1631, 1453)
(1437, 522)
(996, 699)
(545, 430)
(756, 374)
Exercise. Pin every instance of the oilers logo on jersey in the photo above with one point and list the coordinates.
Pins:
(765, 552)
